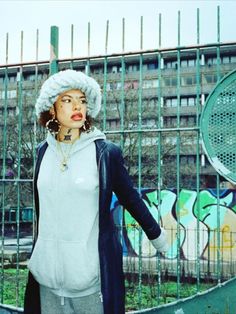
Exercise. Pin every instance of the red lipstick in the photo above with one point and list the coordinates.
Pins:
(77, 116)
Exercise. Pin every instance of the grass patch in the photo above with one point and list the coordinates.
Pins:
(13, 286)
(13, 293)
(167, 293)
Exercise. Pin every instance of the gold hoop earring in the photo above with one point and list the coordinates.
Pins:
(53, 126)
(86, 126)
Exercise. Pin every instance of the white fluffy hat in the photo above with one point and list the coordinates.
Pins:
(66, 80)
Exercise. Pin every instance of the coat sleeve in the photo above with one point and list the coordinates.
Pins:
(129, 197)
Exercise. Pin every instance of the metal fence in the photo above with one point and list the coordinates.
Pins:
(185, 197)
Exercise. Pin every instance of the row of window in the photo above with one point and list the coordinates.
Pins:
(146, 84)
(132, 85)
(189, 101)
(166, 122)
(165, 64)
(191, 79)
(12, 78)
(193, 62)
(12, 94)
(12, 111)
(184, 102)
(172, 64)
(166, 82)
(188, 160)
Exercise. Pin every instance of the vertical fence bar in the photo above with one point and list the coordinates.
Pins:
(36, 93)
(198, 82)
(54, 41)
(217, 175)
(87, 70)
(122, 102)
(123, 34)
(4, 170)
(19, 158)
(35, 122)
(159, 150)
(71, 45)
(105, 81)
(140, 94)
(178, 162)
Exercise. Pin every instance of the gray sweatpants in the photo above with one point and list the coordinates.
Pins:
(54, 304)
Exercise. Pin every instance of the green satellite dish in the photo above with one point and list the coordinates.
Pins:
(218, 127)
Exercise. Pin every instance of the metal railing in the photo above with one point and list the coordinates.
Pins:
(144, 104)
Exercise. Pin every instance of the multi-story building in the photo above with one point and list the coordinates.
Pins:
(152, 103)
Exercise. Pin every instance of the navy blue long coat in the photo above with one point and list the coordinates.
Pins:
(113, 177)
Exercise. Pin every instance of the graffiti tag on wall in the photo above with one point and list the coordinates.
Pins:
(199, 225)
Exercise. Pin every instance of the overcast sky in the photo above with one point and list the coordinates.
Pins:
(28, 16)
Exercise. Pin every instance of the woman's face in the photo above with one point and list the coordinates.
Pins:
(71, 107)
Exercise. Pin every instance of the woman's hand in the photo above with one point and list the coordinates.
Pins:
(160, 243)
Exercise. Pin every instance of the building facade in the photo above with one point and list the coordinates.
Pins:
(152, 102)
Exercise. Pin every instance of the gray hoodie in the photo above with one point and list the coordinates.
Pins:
(65, 257)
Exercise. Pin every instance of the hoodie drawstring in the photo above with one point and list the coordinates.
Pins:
(62, 301)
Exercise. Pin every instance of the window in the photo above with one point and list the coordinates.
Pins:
(184, 63)
(174, 81)
(189, 80)
(11, 111)
(170, 140)
(183, 121)
(152, 103)
(131, 85)
(233, 59)
(145, 67)
(191, 101)
(191, 121)
(171, 102)
(149, 141)
(211, 78)
(167, 81)
(30, 77)
(191, 160)
(225, 60)
(12, 79)
(10, 94)
(113, 124)
(152, 66)
(184, 102)
(188, 63)
(114, 85)
(112, 106)
(114, 69)
(150, 83)
(168, 102)
(148, 123)
(191, 62)
(174, 102)
(133, 67)
(171, 64)
(170, 81)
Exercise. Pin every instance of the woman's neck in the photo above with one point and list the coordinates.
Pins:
(68, 135)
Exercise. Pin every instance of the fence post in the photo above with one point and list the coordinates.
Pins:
(54, 41)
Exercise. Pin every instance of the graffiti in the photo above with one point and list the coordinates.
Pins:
(200, 225)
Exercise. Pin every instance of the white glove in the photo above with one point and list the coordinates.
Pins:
(160, 243)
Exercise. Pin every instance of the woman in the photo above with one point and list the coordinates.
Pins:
(76, 264)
